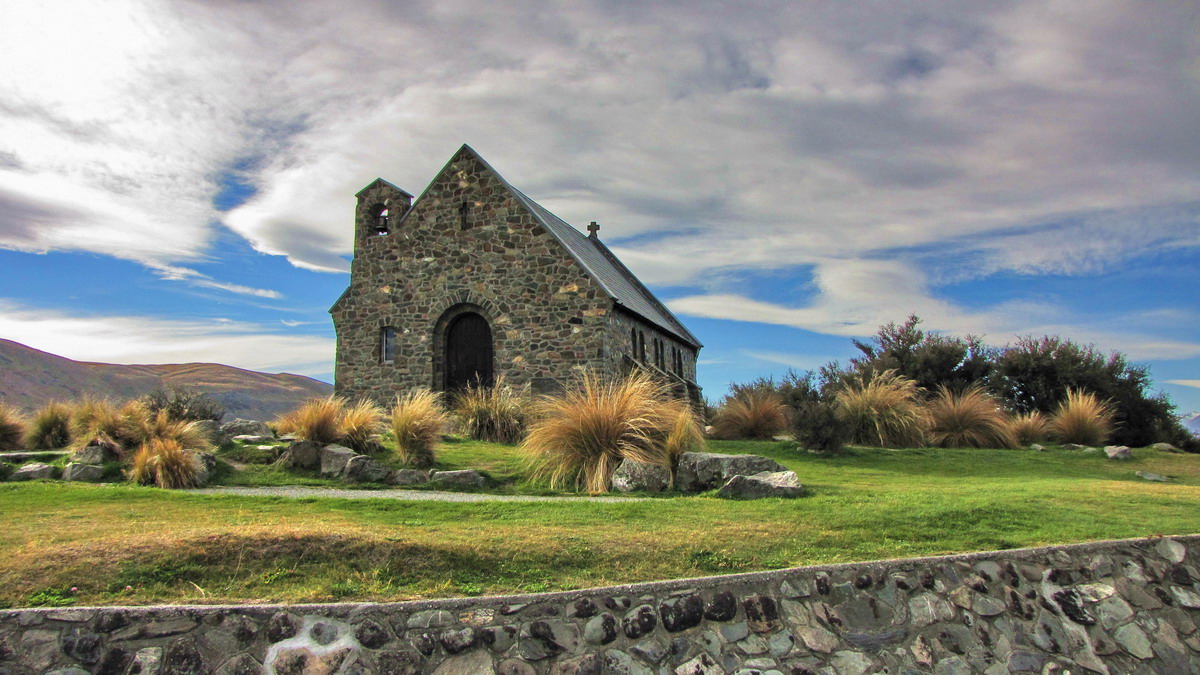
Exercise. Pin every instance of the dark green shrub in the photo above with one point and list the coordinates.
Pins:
(184, 405)
(816, 426)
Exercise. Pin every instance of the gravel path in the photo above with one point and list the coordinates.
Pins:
(300, 492)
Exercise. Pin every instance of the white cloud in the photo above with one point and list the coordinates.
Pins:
(145, 340)
(1185, 383)
(791, 360)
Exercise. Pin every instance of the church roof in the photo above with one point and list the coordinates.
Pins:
(594, 257)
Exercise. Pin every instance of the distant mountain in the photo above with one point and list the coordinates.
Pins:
(1191, 422)
(29, 378)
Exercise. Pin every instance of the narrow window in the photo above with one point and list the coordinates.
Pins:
(641, 346)
(633, 341)
(387, 344)
(463, 209)
(380, 214)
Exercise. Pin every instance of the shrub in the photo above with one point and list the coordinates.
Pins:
(418, 422)
(359, 423)
(1083, 418)
(582, 435)
(164, 463)
(50, 428)
(162, 426)
(816, 426)
(1029, 427)
(317, 420)
(184, 404)
(881, 409)
(12, 428)
(971, 419)
(752, 414)
(94, 417)
(495, 414)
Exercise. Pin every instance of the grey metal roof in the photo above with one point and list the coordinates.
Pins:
(613, 276)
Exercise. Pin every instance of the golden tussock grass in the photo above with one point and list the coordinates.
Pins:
(883, 409)
(1083, 418)
(165, 464)
(418, 423)
(496, 414)
(970, 419)
(751, 415)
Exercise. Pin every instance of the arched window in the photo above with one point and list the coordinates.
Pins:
(387, 344)
(379, 213)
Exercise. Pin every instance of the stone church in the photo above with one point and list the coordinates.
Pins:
(474, 280)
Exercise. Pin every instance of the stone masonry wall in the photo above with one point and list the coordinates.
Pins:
(548, 318)
(1108, 607)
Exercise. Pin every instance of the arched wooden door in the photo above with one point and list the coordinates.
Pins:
(468, 351)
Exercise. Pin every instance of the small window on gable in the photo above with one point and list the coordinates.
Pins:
(379, 213)
(387, 344)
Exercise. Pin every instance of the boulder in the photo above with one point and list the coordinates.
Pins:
(33, 472)
(301, 455)
(212, 431)
(1075, 446)
(1037, 448)
(88, 473)
(461, 478)
(334, 459)
(699, 471)
(96, 453)
(764, 484)
(363, 469)
(633, 476)
(1118, 452)
(251, 439)
(1164, 447)
(408, 477)
(1151, 476)
(208, 464)
(241, 427)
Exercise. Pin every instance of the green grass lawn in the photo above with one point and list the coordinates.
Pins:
(868, 504)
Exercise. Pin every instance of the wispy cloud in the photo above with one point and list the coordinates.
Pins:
(1185, 383)
(196, 278)
(139, 339)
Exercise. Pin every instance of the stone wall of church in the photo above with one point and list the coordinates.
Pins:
(468, 240)
(1107, 607)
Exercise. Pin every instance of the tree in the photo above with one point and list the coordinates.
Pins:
(929, 359)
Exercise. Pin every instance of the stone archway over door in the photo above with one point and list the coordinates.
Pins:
(468, 351)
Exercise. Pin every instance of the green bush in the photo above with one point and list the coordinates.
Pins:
(816, 426)
(50, 428)
(184, 405)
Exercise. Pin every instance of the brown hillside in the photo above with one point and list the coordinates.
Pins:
(29, 378)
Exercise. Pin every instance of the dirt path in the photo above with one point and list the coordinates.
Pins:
(300, 492)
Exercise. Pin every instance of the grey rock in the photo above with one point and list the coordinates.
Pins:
(699, 471)
(242, 664)
(88, 473)
(1133, 640)
(781, 643)
(682, 613)
(601, 629)
(334, 459)
(1164, 447)
(363, 469)
(753, 645)
(700, 665)
(1171, 550)
(34, 471)
(147, 661)
(241, 427)
(96, 454)
(734, 631)
(478, 662)
(855, 662)
(469, 478)
(207, 463)
(817, 638)
(408, 477)
(1037, 448)
(639, 621)
(650, 651)
(1185, 598)
(301, 455)
(619, 663)
(1118, 452)
(434, 618)
(633, 476)
(212, 431)
(1075, 446)
(761, 485)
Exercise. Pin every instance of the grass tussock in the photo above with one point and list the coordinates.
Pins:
(164, 463)
(360, 423)
(317, 420)
(581, 436)
(12, 428)
(496, 414)
(970, 419)
(50, 428)
(752, 414)
(882, 409)
(1029, 428)
(1083, 418)
(418, 423)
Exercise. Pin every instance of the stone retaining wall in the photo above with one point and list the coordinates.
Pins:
(1109, 607)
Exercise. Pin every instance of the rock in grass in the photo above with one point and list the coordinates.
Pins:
(241, 427)
(212, 431)
(461, 478)
(1037, 448)
(96, 454)
(1164, 447)
(334, 459)
(301, 455)
(1075, 446)
(363, 469)
(764, 484)
(1151, 476)
(88, 473)
(633, 476)
(699, 471)
(1118, 452)
(408, 477)
(33, 472)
